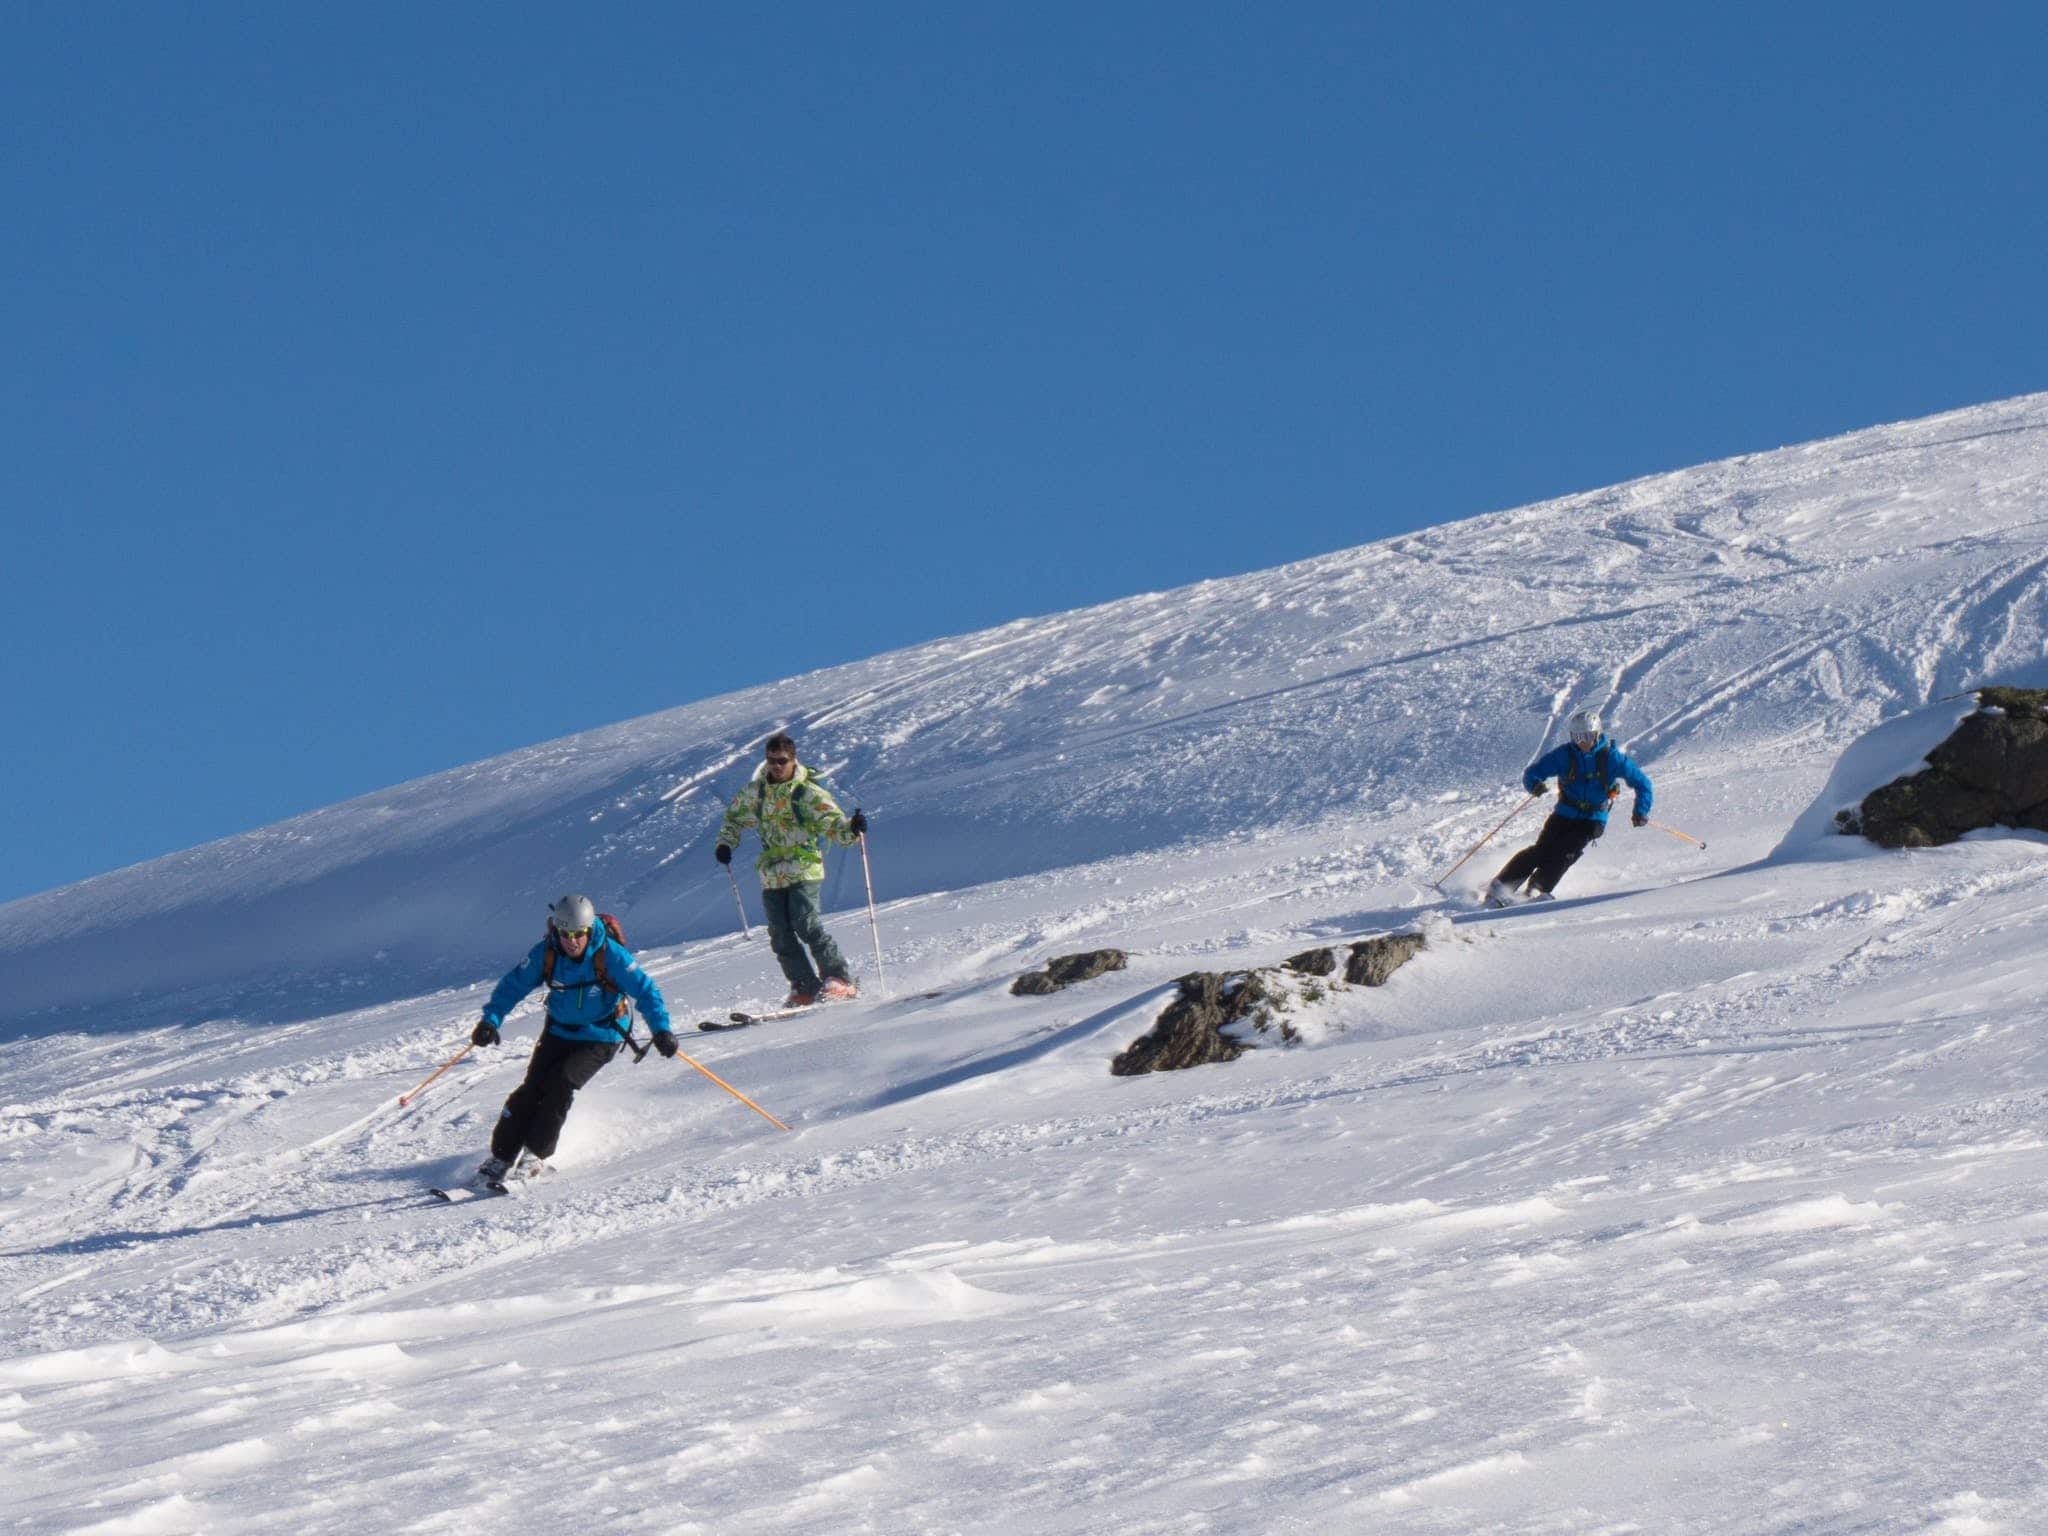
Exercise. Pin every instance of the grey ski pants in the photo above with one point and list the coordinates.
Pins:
(795, 923)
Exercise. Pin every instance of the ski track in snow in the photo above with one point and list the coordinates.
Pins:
(1707, 1199)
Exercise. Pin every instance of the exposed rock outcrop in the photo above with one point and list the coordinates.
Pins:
(1372, 961)
(1190, 1033)
(1065, 970)
(1313, 962)
(1992, 772)
(1214, 1013)
(1368, 963)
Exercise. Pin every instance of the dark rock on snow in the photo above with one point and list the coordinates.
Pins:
(1374, 960)
(1190, 1032)
(1993, 772)
(1065, 970)
(1194, 1030)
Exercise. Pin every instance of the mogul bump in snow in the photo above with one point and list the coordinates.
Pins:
(592, 980)
(1590, 770)
(792, 810)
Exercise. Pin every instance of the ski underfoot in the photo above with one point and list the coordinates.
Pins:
(742, 1020)
(514, 1182)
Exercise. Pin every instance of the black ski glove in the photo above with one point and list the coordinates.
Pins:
(485, 1033)
(1639, 820)
(858, 824)
(666, 1044)
(722, 853)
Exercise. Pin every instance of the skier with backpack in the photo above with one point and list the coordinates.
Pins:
(592, 982)
(792, 808)
(1590, 770)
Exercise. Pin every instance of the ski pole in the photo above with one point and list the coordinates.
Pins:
(874, 926)
(1686, 837)
(406, 1098)
(1511, 815)
(745, 931)
(728, 1087)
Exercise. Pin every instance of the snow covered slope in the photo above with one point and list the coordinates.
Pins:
(1768, 609)
(1707, 1199)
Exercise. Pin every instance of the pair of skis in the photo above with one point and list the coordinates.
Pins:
(1509, 903)
(742, 1020)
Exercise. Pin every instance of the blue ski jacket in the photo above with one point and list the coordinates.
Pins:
(1587, 780)
(579, 1008)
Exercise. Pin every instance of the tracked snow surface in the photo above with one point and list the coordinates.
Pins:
(1711, 1198)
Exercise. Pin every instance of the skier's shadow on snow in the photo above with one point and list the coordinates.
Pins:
(1554, 904)
(1459, 909)
(101, 1242)
(1017, 1056)
(1360, 925)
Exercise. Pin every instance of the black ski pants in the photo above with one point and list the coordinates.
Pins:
(796, 922)
(534, 1113)
(1556, 849)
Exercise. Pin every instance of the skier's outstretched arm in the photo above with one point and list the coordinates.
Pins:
(516, 985)
(1639, 781)
(1549, 766)
(823, 816)
(740, 815)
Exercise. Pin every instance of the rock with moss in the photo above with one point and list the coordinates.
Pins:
(1193, 1029)
(1218, 1015)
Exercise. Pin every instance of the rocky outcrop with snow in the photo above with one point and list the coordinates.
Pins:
(1993, 772)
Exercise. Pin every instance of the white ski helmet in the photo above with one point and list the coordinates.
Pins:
(1585, 729)
(573, 914)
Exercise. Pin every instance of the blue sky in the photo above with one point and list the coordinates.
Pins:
(387, 387)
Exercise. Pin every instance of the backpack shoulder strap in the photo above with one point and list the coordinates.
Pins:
(611, 933)
(611, 988)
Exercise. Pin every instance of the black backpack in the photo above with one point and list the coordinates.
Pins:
(1601, 773)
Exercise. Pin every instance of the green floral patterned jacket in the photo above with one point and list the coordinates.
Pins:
(791, 818)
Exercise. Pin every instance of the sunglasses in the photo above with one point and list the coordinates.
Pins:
(780, 762)
(573, 933)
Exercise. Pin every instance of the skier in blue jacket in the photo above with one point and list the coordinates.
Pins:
(592, 981)
(1590, 770)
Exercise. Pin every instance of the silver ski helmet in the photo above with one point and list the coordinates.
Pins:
(572, 915)
(1585, 729)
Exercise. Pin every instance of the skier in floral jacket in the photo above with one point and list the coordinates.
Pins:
(792, 811)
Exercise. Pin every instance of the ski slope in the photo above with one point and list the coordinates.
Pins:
(1706, 1199)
